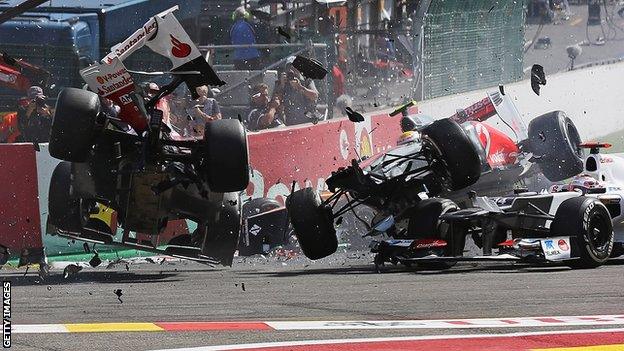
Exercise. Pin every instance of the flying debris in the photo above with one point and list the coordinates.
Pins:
(354, 116)
(538, 77)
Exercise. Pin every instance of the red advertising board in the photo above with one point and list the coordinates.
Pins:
(307, 155)
(19, 199)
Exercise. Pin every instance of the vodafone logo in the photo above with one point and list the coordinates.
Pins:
(563, 245)
(180, 49)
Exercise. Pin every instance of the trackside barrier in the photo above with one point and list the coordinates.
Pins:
(306, 155)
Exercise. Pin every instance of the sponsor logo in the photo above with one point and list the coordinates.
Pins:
(105, 90)
(125, 99)
(180, 49)
(428, 243)
(498, 158)
(111, 76)
(132, 41)
(550, 249)
(113, 81)
(365, 145)
(586, 216)
(563, 245)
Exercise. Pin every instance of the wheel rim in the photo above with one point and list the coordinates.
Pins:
(574, 139)
(437, 163)
(598, 232)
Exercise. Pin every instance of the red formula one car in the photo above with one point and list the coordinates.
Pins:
(549, 146)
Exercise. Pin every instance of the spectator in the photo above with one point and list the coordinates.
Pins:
(242, 33)
(163, 104)
(9, 129)
(339, 78)
(179, 116)
(545, 11)
(109, 107)
(298, 95)
(265, 113)
(34, 117)
(205, 110)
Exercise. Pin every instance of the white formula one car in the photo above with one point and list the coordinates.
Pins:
(564, 227)
(603, 178)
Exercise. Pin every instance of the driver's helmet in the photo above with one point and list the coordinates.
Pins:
(578, 183)
(585, 181)
(408, 137)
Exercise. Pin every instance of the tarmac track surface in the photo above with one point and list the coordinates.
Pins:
(341, 288)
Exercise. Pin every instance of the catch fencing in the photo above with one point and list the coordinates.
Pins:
(470, 45)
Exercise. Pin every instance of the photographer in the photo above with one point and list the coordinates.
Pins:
(34, 117)
(265, 113)
(298, 95)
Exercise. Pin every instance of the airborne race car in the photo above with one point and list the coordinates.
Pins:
(438, 159)
(133, 164)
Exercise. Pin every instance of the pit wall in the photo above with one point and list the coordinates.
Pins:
(304, 156)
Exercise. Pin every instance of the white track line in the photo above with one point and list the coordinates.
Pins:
(38, 328)
(475, 323)
(373, 340)
(522, 322)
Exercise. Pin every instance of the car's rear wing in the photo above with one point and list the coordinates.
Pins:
(164, 35)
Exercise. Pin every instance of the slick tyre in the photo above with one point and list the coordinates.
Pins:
(424, 223)
(461, 166)
(312, 223)
(554, 142)
(223, 230)
(225, 162)
(588, 223)
(64, 211)
(74, 125)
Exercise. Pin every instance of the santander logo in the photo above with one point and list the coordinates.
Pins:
(180, 49)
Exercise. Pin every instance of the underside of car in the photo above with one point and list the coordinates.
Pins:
(133, 164)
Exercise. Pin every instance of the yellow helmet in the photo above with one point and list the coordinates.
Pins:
(407, 137)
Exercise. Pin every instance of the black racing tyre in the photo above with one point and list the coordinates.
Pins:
(424, 223)
(224, 230)
(554, 141)
(225, 164)
(64, 211)
(462, 165)
(588, 222)
(312, 223)
(74, 125)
